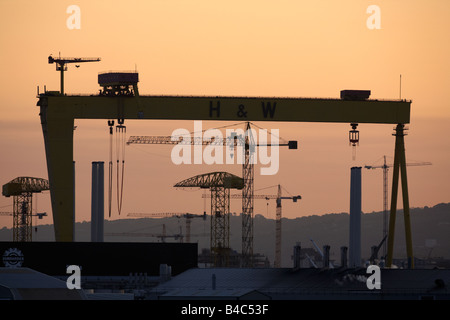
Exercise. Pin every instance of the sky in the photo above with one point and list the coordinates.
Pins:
(233, 48)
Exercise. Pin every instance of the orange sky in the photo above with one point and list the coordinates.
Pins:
(252, 48)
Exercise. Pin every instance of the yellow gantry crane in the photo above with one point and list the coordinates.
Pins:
(58, 114)
(22, 189)
(385, 168)
(187, 216)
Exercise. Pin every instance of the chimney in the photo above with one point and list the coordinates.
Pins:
(355, 218)
(97, 201)
(296, 257)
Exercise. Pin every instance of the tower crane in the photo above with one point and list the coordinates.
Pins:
(61, 65)
(187, 216)
(278, 197)
(220, 184)
(385, 168)
(248, 144)
(22, 189)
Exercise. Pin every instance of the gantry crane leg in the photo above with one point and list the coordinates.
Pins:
(400, 170)
(58, 140)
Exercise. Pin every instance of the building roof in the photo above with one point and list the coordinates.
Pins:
(28, 284)
(284, 283)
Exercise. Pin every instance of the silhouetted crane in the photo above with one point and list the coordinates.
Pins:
(61, 65)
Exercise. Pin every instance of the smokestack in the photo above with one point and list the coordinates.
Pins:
(296, 257)
(97, 201)
(355, 218)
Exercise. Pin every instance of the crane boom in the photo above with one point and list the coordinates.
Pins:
(62, 61)
(20, 185)
(278, 197)
(412, 164)
(220, 184)
(321, 253)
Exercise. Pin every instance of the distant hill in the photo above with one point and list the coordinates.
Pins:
(430, 231)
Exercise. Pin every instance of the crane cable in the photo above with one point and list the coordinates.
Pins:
(121, 131)
(110, 165)
(120, 163)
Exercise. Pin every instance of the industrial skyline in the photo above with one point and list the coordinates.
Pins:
(275, 51)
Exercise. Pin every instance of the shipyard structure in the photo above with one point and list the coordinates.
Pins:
(66, 269)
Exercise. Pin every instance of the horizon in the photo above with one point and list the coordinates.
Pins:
(253, 49)
(234, 214)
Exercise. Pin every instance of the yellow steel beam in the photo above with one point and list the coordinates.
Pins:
(58, 113)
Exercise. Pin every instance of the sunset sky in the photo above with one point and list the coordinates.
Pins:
(233, 48)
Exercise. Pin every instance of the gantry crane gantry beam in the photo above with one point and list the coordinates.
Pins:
(58, 112)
